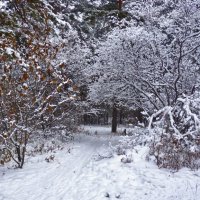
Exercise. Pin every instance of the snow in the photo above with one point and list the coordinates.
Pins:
(2, 5)
(9, 50)
(77, 174)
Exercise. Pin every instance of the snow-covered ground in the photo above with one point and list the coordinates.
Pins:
(89, 169)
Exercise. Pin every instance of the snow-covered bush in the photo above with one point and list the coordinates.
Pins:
(176, 133)
(4, 156)
(36, 90)
(134, 137)
(50, 158)
(50, 141)
(127, 159)
(125, 143)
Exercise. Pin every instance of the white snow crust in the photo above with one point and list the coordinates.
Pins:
(77, 174)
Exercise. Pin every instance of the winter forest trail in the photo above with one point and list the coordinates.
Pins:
(58, 180)
(89, 169)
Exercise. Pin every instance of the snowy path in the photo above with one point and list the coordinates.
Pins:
(51, 181)
(78, 176)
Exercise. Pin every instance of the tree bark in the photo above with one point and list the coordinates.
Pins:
(120, 116)
(114, 119)
(119, 4)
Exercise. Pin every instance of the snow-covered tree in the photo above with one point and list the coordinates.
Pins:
(152, 62)
(36, 91)
(176, 137)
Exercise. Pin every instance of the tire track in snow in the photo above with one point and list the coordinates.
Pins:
(53, 181)
(59, 180)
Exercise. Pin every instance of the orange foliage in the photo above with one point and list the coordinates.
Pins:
(25, 76)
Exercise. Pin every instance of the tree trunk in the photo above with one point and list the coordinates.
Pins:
(120, 116)
(119, 4)
(114, 119)
(18, 151)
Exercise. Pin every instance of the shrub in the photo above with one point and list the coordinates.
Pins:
(176, 133)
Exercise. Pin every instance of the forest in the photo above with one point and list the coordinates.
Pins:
(124, 73)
